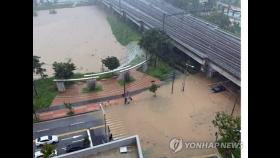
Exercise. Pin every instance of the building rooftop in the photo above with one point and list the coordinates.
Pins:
(123, 148)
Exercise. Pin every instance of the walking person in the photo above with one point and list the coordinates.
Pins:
(216, 134)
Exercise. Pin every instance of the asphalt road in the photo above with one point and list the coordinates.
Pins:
(96, 135)
(64, 125)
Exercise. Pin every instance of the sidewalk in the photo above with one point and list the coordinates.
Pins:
(111, 87)
(79, 110)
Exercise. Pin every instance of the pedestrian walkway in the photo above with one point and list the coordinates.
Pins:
(88, 102)
(116, 126)
(54, 114)
(110, 87)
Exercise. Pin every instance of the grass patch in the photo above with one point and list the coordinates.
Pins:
(98, 88)
(52, 11)
(131, 79)
(161, 71)
(46, 90)
(35, 121)
(124, 32)
(105, 76)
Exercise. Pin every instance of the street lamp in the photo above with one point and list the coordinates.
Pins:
(186, 71)
(104, 117)
(120, 5)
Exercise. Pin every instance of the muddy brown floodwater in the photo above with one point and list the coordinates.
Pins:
(187, 115)
(82, 34)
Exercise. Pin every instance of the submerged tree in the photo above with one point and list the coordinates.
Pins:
(156, 43)
(111, 62)
(64, 70)
(37, 67)
(154, 88)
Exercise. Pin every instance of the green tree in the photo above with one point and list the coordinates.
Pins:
(64, 70)
(48, 150)
(156, 43)
(69, 106)
(37, 67)
(229, 130)
(154, 88)
(111, 62)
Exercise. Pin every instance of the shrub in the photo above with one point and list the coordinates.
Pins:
(52, 11)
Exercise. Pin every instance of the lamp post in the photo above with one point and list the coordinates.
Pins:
(186, 71)
(173, 79)
(236, 99)
(104, 117)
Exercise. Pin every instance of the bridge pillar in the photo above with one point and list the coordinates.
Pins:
(124, 15)
(210, 72)
(141, 28)
(91, 84)
(124, 76)
(111, 8)
(145, 66)
(60, 86)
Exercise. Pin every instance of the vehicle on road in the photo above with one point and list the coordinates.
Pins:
(46, 140)
(39, 154)
(75, 146)
(218, 89)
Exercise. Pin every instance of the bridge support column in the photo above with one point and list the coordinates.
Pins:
(60, 86)
(124, 76)
(145, 67)
(210, 72)
(141, 28)
(124, 15)
(91, 84)
(111, 8)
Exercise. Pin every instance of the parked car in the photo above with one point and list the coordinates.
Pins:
(75, 146)
(39, 154)
(46, 140)
(217, 89)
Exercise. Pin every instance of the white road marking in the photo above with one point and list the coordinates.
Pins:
(89, 137)
(66, 138)
(76, 123)
(77, 140)
(43, 130)
(64, 148)
(74, 137)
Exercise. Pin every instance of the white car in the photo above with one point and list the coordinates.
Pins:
(46, 140)
(39, 154)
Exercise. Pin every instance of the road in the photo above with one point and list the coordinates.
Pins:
(59, 126)
(72, 129)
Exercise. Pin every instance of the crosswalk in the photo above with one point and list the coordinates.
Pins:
(116, 126)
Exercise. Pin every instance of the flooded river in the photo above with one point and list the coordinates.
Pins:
(81, 34)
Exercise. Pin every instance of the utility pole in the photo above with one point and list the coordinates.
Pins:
(234, 105)
(124, 91)
(173, 79)
(186, 73)
(35, 88)
(163, 21)
(104, 116)
(34, 112)
(120, 5)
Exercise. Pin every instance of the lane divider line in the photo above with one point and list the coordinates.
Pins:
(89, 137)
